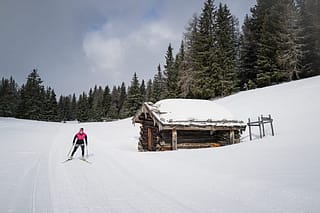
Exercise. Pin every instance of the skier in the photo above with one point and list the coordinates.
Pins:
(80, 138)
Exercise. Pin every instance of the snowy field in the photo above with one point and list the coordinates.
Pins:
(273, 174)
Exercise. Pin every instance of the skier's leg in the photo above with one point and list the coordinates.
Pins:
(82, 150)
(74, 150)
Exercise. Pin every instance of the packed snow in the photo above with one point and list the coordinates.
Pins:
(278, 173)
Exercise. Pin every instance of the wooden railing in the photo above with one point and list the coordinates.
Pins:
(262, 120)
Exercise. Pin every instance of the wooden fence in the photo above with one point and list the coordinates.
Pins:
(262, 120)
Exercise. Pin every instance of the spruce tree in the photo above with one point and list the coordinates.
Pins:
(191, 62)
(135, 98)
(106, 103)
(32, 97)
(158, 87)
(310, 25)
(206, 53)
(114, 108)
(225, 55)
(83, 108)
(122, 99)
(170, 74)
(149, 91)
(8, 97)
(248, 54)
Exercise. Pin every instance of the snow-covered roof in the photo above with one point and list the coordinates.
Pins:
(190, 112)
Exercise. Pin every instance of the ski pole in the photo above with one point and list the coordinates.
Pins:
(72, 147)
(86, 148)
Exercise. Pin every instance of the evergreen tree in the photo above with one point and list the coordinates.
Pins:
(73, 108)
(248, 54)
(32, 97)
(50, 106)
(83, 108)
(135, 98)
(143, 91)
(290, 42)
(115, 100)
(191, 64)
(158, 87)
(122, 99)
(179, 66)
(149, 91)
(206, 53)
(170, 74)
(106, 103)
(310, 25)
(8, 97)
(225, 54)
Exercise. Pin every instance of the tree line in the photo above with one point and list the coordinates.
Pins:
(279, 42)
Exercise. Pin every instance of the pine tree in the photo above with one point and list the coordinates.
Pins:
(114, 108)
(106, 103)
(143, 91)
(290, 42)
(310, 25)
(170, 74)
(83, 108)
(158, 87)
(248, 54)
(122, 99)
(191, 64)
(32, 97)
(225, 55)
(149, 91)
(180, 68)
(8, 97)
(134, 99)
(206, 53)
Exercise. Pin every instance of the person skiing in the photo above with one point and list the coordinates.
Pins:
(80, 138)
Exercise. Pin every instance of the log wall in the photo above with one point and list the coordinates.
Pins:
(148, 126)
(151, 139)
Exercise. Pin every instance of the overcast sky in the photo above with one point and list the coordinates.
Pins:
(76, 44)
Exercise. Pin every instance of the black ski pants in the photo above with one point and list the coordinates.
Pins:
(81, 144)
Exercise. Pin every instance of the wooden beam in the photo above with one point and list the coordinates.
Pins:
(232, 137)
(174, 139)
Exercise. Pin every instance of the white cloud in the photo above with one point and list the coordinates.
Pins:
(118, 55)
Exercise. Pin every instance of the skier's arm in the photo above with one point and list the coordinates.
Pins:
(86, 140)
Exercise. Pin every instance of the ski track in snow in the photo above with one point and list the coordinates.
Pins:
(273, 174)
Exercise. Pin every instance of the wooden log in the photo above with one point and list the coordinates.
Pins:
(174, 139)
(231, 137)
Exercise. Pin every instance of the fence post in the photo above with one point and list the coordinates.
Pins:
(271, 125)
(249, 129)
(262, 123)
(259, 126)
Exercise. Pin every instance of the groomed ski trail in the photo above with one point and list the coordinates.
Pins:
(107, 184)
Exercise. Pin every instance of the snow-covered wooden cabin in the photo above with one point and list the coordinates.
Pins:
(186, 123)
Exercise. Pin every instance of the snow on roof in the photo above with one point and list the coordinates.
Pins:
(191, 112)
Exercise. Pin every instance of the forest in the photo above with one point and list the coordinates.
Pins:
(278, 42)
